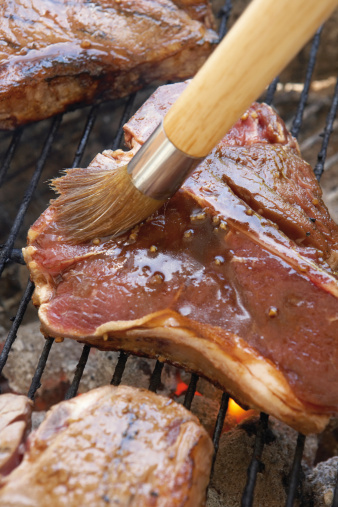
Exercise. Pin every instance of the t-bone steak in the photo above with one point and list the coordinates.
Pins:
(234, 278)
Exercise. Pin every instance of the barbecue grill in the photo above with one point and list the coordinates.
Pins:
(15, 146)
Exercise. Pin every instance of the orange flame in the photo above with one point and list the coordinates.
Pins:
(237, 412)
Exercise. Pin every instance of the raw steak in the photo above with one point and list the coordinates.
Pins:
(233, 278)
(114, 445)
(15, 412)
(57, 53)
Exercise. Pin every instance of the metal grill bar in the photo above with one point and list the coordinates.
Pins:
(29, 193)
(189, 395)
(14, 256)
(125, 117)
(119, 369)
(16, 323)
(155, 379)
(297, 121)
(318, 170)
(295, 472)
(40, 368)
(224, 14)
(271, 91)
(78, 373)
(9, 155)
(254, 467)
(335, 496)
(85, 136)
(219, 424)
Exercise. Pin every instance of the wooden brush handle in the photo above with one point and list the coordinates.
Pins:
(265, 38)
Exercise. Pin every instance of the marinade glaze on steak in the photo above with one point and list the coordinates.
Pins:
(233, 278)
(114, 446)
(56, 53)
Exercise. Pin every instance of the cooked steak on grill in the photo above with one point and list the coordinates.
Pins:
(57, 53)
(114, 446)
(233, 278)
(15, 412)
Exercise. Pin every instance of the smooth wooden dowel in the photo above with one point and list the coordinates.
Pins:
(265, 38)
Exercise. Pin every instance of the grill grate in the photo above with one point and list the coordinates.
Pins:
(9, 254)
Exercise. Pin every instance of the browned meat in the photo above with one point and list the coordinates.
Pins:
(198, 9)
(114, 445)
(55, 53)
(15, 412)
(221, 281)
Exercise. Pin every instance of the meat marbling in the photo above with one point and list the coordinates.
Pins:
(114, 445)
(15, 412)
(234, 278)
(54, 54)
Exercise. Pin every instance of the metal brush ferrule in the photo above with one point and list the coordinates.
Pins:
(158, 169)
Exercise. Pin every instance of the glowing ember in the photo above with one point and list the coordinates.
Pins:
(182, 387)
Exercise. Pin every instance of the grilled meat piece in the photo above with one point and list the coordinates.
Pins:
(220, 281)
(114, 445)
(54, 54)
(15, 412)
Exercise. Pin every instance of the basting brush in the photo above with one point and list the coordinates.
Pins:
(267, 36)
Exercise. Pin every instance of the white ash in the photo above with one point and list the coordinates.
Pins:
(214, 499)
(320, 483)
(37, 418)
(61, 366)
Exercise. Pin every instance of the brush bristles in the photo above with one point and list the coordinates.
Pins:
(98, 203)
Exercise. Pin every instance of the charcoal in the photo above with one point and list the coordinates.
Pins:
(234, 457)
(320, 483)
(328, 442)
